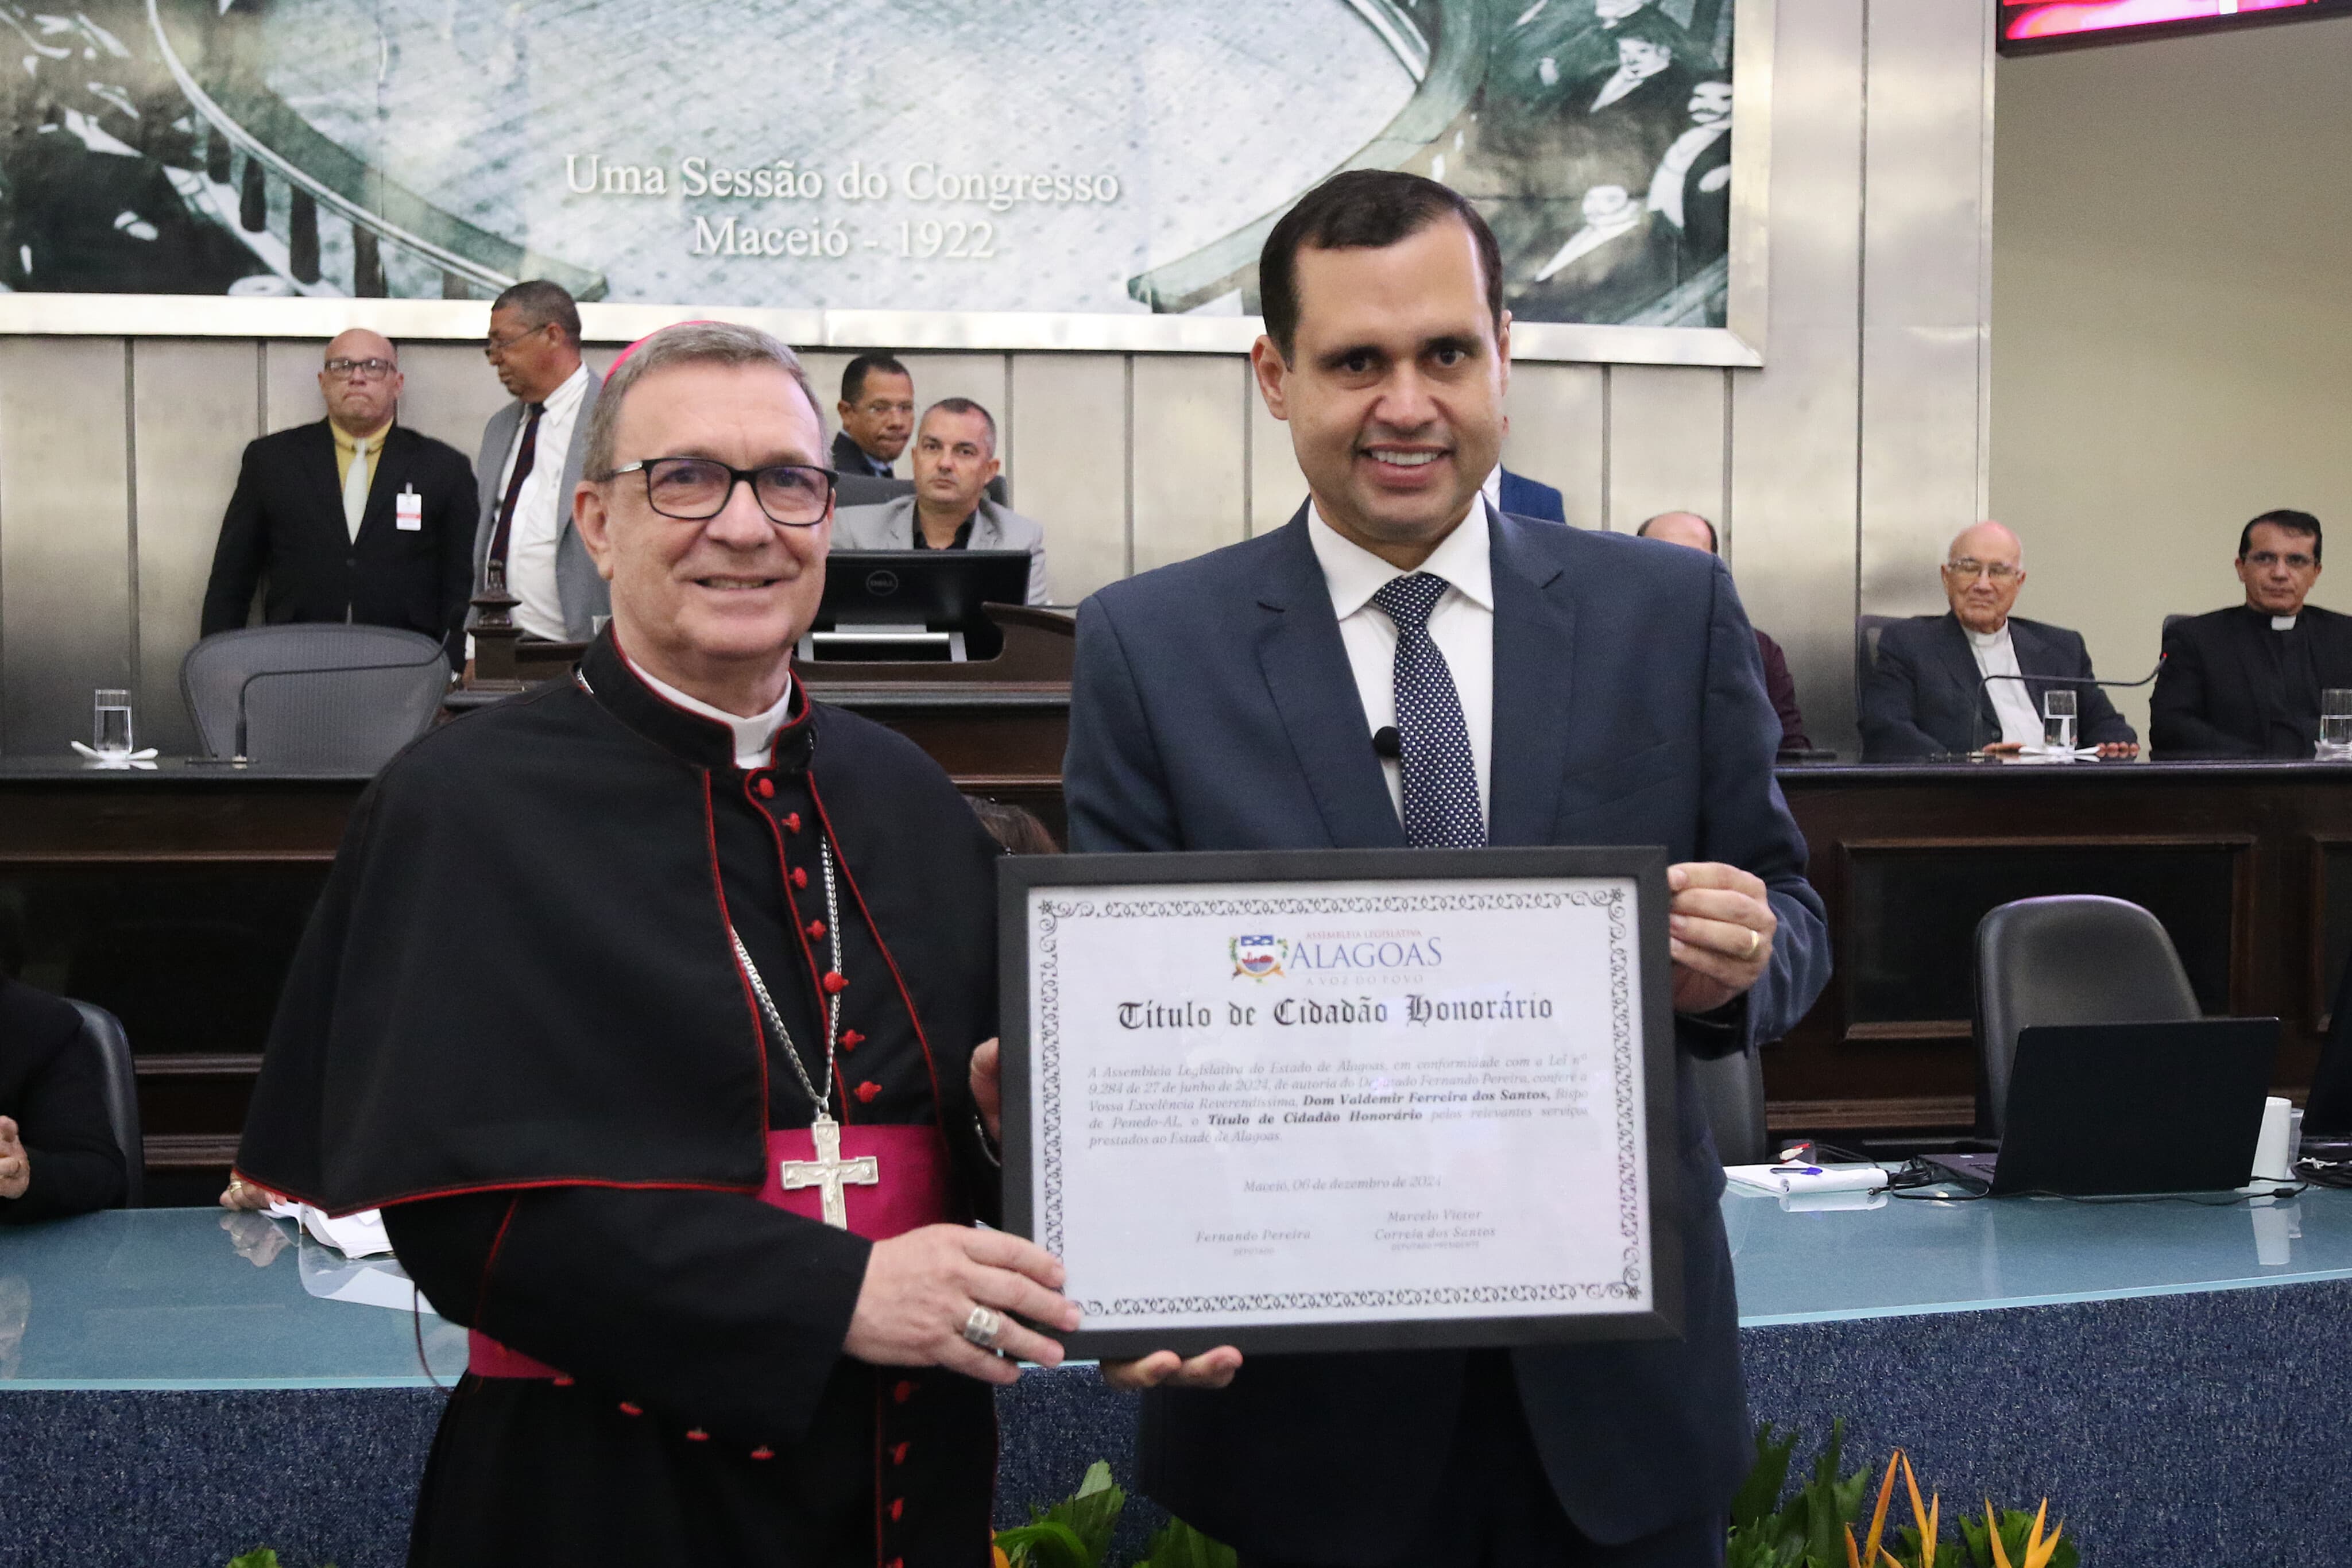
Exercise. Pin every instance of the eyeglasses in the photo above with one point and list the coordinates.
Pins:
(1997, 571)
(878, 408)
(695, 489)
(493, 346)
(2263, 559)
(359, 370)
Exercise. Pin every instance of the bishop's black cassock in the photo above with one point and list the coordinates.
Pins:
(517, 1025)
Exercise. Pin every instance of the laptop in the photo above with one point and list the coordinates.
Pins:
(2106, 1109)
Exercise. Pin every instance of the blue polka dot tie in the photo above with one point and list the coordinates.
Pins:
(1441, 778)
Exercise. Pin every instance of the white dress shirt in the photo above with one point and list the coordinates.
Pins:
(1493, 489)
(1996, 656)
(1461, 625)
(754, 736)
(542, 511)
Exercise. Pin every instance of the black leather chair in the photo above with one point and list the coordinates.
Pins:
(103, 1032)
(1731, 1096)
(2078, 959)
(1866, 629)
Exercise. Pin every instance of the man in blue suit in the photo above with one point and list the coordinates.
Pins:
(1524, 498)
(1403, 664)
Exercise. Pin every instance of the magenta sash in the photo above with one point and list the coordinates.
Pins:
(916, 1190)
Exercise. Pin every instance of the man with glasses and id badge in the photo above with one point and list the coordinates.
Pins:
(1979, 679)
(2253, 680)
(354, 518)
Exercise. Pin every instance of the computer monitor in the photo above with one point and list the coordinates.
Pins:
(931, 595)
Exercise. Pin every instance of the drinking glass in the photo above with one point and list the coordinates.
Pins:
(2058, 722)
(110, 723)
(2336, 724)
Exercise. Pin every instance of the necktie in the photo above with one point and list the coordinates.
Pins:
(355, 489)
(526, 456)
(1441, 777)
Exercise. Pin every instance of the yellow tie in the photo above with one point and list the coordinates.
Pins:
(356, 489)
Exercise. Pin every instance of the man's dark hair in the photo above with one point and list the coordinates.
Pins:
(853, 374)
(540, 302)
(1660, 32)
(1714, 543)
(2300, 524)
(1367, 209)
(964, 405)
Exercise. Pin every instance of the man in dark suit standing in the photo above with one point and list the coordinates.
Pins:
(1557, 687)
(1692, 531)
(878, 414)
(2245, 681)
(354, 518)
(1973, 679)
(532, 453)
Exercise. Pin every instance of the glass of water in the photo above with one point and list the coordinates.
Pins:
(2058, 722)
(109, 722)
(2336, 724)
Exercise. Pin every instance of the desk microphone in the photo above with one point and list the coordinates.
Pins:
(1387, 743)
(1984, 688)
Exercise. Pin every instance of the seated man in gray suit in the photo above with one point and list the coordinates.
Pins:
(1933, 690)
(530, 466)
(955, 457)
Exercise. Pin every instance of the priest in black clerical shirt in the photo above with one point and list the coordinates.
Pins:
(685, 1112)
(2245, 681)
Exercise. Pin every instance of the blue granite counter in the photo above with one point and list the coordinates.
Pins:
(178, 1384)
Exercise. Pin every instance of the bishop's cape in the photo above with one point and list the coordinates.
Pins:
(516, 1023)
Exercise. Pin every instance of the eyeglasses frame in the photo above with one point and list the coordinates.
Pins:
(735, 476)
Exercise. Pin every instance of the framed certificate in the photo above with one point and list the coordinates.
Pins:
(1344, 1099)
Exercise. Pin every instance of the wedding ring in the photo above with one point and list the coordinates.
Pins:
(1755, 940)
(983, 1327)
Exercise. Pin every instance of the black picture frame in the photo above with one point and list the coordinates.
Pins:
(1644, 865)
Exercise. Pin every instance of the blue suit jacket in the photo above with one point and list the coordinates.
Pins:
(1926, 696)
(1214, 709)
(1526, 498)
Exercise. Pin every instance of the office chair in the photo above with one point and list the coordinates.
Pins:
(1866, 629)
(103, 1032)
(2077, 958)
(1731, 1097)
(307, 696)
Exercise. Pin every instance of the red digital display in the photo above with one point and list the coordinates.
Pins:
(2031, 22)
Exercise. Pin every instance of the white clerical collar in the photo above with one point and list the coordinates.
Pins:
(2283, 622)
(753, 735)
(1354, 574)
(1994, 639)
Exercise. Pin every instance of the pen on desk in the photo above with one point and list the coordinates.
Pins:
(1796, 1170)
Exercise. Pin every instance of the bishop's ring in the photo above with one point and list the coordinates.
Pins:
(983, 1327)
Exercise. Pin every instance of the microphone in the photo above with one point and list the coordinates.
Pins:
(1387, 743)
(1984, 688)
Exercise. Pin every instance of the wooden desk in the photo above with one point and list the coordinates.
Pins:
(174, 897)
(2249, 866)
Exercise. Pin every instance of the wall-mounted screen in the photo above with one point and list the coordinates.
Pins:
(2028, 26)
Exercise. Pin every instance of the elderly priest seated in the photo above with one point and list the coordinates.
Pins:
(955, 457)
(2245, 681)
(1973, 679)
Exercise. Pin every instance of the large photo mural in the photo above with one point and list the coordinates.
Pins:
(910, 155)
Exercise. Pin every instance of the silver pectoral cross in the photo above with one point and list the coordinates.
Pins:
(829, 1173)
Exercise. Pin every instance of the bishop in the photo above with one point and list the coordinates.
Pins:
(652, 1008)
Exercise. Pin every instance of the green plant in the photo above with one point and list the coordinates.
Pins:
(1076, 1533)
(1815, 1527)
